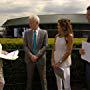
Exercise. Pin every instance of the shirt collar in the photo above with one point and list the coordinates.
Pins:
(37, 30)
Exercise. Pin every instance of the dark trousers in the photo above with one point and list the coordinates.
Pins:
(42, 72)
(88, 75)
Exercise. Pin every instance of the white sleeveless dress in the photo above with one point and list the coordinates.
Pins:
(60, 49)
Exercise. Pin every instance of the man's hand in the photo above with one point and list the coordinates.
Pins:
(34, 58)
(82, 51)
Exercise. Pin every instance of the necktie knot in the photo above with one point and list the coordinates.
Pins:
(34, 32)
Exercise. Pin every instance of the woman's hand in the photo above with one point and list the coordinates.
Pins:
(57, 64)
(4, 52)
(53, 64)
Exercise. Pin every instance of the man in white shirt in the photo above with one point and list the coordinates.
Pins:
(35, 44)
(82, 52)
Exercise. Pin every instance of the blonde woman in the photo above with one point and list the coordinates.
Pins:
(61, 52)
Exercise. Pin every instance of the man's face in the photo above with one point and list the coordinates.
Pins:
(33, 24)
(88, 15)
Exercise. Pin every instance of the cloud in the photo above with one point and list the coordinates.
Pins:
(42, 6)
(73, 6)
(20, 8)
(13, 10)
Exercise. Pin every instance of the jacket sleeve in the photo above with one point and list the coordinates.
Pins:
(25, 42)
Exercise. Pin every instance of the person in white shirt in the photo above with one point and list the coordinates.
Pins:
(87, 66)
(2, 82)
(35, 44)
(82, 52)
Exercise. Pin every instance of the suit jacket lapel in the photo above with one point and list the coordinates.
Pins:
(31, 38)
(38, 38)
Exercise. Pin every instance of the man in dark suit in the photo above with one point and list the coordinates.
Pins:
(88, 63)
(35, 44)
(82, 52)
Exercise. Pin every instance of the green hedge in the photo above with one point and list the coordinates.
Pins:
(17, 43)
(20, 40)
(11, 43)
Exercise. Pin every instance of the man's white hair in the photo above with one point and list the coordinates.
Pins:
(35, 17)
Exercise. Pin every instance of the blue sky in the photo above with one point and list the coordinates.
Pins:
(20, 8)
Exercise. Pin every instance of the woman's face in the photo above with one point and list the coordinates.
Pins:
(88, 15)
(59, 28)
